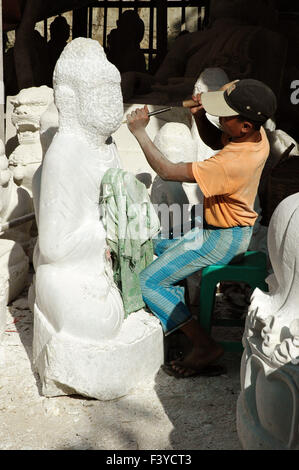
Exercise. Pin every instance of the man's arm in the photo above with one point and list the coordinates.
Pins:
(137, 122)
(209, 133)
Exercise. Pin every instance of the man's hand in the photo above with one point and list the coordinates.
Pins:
(138, 120)
(197, 99)
(228, 85)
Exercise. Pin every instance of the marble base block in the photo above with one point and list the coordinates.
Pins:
(103, 370)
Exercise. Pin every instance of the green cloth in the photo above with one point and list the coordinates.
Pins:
(130, 222)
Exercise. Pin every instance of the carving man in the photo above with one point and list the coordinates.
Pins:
(229, 181)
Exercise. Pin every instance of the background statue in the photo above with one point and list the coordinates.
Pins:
(174, 140)
(81, 342)
(236, 43)
(267, 414)
(29, 105)
(14, 263)
(15, 202)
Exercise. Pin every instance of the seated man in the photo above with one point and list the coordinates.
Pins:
(229, 181)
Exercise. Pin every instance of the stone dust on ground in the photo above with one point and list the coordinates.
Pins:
(197, 413)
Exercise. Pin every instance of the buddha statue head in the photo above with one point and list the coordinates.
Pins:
(88, 97)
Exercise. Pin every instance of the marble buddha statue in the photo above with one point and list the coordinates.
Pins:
(82, 344)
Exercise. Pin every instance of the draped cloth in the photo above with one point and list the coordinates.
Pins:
(130, 222)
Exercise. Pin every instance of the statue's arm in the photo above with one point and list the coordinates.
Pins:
(62, 222)
(60, 234)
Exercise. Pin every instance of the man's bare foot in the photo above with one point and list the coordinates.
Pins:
(197, 360)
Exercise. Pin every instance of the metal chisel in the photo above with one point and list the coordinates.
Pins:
(185, 104)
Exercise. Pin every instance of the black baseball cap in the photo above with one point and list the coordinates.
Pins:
(249, 98)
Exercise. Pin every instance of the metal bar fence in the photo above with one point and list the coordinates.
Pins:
(157, 26)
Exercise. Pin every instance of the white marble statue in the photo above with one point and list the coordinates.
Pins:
(49, 123)
(268, 406)
(280, 141)
(82, 344)
(29, 106)
(14, 266)
(14, 202)
(175, 142)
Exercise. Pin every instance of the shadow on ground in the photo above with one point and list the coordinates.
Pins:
(168, 413)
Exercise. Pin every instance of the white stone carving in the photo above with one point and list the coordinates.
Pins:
(15, 202)
(49, 123)
(29, 105)
(3, 304)
(268, 405)
(280, 141)
(211, 79)
(82, 344)
(175, 142)
(13, 269)
(131, 155)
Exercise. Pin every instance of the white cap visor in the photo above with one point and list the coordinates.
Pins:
(215, 104)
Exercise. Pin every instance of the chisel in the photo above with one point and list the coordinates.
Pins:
(185, 104)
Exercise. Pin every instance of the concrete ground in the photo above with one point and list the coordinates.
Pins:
(169, 414)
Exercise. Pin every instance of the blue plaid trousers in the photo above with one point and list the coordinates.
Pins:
(178, 259)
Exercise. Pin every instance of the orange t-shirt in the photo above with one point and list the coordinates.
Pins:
(229, 181)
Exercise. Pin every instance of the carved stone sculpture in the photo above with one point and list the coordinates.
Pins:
(14, 202)
(14, 265)
(267, 412)
(82, 344)
(29, 105)
(241, 50)
(175, 142)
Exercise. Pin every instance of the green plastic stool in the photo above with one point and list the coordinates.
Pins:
(252, 269)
